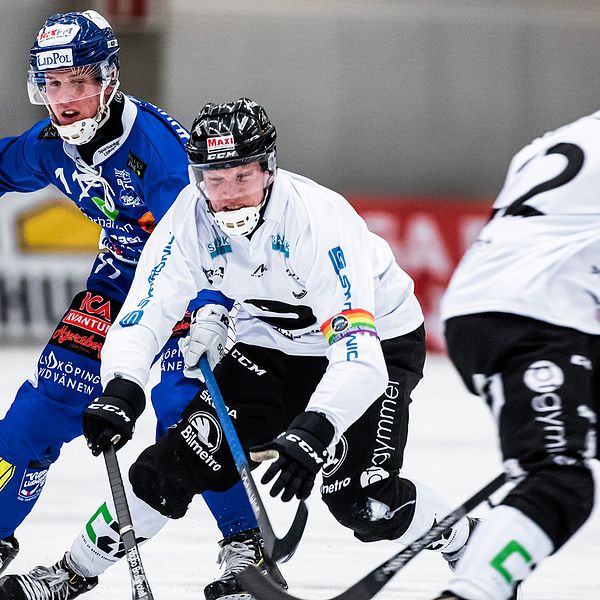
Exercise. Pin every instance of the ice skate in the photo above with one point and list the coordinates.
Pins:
(453, 557)
(61, 581)
(9, 548)
(238, 552)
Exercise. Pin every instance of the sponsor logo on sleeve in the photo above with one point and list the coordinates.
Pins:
(133, 317)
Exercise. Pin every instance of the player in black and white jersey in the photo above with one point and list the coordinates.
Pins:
(522, 322)
(330, 339)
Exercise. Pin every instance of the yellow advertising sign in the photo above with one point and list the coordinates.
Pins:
(56, 226)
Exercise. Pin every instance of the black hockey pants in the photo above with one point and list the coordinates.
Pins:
(542, 383)
(264, 390)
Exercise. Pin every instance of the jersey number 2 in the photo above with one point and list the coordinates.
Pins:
(574, 155)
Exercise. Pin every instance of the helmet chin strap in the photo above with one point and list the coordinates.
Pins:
(83, 131)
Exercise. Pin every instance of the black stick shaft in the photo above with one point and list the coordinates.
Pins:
(140, 587)
(262, 588)
(278, 549)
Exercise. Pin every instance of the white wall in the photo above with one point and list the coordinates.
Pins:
(380, 96)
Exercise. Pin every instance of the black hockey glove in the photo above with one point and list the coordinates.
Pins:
(113, 414)
(300, 451)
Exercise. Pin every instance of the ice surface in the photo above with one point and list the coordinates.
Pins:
(452, 446)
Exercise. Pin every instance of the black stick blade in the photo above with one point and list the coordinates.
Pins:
(283, 548)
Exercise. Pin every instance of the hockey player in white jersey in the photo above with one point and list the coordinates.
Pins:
(522, 322)
(330, 340)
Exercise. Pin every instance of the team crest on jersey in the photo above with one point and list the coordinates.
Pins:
(137, 165)
(218, 246)
(127, 195)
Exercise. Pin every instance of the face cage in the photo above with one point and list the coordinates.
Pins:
(244, 220)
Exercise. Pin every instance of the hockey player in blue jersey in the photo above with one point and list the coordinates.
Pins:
(122, 161)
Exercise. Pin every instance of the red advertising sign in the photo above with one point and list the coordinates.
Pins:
(428, 238)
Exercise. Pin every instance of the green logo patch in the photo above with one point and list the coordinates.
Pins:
(101, 204)
(498, 561)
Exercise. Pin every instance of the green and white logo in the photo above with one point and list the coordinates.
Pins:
(499, 561)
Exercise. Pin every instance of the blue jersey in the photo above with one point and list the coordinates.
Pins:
(133, 181)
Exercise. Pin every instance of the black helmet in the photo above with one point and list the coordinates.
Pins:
(232, 134)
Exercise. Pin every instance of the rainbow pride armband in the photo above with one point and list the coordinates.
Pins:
(348, 322)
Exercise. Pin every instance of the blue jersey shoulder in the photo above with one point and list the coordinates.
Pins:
(156, 119)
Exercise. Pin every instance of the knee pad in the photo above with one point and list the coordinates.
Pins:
(168, 474)
(158, 480)
(558, 498)
(380, 511)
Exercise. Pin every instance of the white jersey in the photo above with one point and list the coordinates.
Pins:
(312, 280)
(539, 256)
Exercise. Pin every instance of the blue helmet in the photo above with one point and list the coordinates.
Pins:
(74, 39)
(74, 44)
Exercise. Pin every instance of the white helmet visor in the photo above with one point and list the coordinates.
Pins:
(232, 186)
(55, 86)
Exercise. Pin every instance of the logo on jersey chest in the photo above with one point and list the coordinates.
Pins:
(212, 274)
(87, 178)
(260, 271)
(278, 244)
(137, 165)
(127, 196)
(219, 246)
(105, 208)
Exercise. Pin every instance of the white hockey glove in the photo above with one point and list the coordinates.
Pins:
(208, 335)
